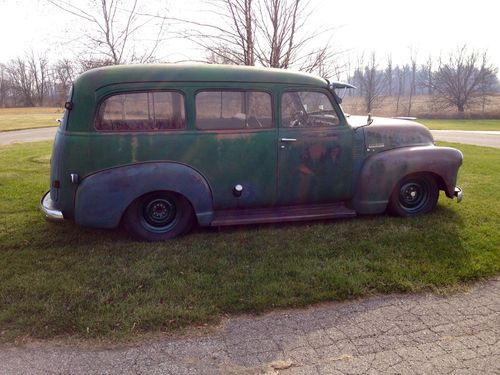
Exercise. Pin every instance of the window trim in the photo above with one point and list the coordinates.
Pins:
(140, 91)
(226, 89)
(311, 89)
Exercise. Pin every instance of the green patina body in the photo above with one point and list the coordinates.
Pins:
(345, 163)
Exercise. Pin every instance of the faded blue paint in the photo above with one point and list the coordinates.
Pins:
(103, 197)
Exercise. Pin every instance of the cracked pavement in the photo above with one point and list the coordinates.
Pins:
(394, 334)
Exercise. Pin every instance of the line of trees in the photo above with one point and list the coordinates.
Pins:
(32, 81)
(462, 79)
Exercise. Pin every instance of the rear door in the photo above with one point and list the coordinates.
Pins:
(314, 149)
(236, 146)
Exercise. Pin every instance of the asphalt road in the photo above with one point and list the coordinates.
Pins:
(479, 138)
(28, 135)
(395, 334)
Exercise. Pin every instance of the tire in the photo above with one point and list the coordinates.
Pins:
(158, 216)
(414, 195)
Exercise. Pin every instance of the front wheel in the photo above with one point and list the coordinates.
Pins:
(158, 216)
(414, 195)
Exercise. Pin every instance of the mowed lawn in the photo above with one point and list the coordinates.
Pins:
(60, 280)
(29, 118)
(483, 125)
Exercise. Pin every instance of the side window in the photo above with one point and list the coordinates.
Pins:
(142, 111)
(307, 109)
(227, 110)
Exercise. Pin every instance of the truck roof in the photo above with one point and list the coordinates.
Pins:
(100, 77)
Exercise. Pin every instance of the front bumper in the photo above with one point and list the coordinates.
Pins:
(47, 207)
(459, 194)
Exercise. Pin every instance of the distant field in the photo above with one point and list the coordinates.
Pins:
(493, 125)
(422, 106)
(28, 118)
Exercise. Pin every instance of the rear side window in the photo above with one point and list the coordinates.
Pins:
(142, 111)
(233, 110)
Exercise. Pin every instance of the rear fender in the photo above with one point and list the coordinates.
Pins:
(102, 198)
(381, 172)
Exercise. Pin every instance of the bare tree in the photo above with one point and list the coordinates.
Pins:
(413, 80)
(64, 72)
(400, 73)
(270, 33)
(112, 28)
(21, 80)
(278, 23)
(427, 69)
(231, 42)
(463, 79)
(371, 82)
(388, 75)
(38, 70)
(4, 86)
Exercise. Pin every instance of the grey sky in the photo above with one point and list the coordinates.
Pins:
(385, 26)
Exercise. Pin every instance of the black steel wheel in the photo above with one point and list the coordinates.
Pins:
(414, 195)
(158, 216)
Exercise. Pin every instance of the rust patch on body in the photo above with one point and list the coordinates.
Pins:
(232, 136)
(304, 169)
(134, 144)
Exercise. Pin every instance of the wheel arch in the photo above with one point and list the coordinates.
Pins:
(153, 192)
(439, 180)
(102, 198)
(381, 173)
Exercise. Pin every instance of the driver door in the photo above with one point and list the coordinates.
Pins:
(314, 149)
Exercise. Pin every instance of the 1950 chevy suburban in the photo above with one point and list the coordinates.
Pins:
(160, 147)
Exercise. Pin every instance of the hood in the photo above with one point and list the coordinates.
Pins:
(387, 133)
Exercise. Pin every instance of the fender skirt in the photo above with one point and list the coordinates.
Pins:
(381, 172)
(102, 198)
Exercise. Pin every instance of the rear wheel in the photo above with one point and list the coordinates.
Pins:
(158, 216)
(414, 195)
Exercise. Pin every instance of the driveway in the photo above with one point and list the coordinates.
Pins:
(479, 138)
(398, 334)
(27, 135)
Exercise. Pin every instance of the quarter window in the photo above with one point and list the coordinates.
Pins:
(142, 111)
(226, 110)
(307, 109)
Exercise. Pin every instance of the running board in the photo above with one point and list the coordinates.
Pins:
(281, 214)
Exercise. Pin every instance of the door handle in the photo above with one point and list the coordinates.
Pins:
(288, 139)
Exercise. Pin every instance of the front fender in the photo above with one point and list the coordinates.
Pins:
(102, 198)
(382, 171)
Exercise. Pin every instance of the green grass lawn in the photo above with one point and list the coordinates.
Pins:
(60, 280)
(28, 118)
(461, 124)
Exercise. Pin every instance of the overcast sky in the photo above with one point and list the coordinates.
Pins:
(385, 26)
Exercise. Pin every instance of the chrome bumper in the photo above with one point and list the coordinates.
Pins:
(459, 194)
(48, 209)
